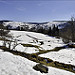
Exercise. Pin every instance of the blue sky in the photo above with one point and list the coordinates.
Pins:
(36, 10)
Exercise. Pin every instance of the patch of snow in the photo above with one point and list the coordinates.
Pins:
(16, 65)
(65, 56)
(26, 49)
(48, 42)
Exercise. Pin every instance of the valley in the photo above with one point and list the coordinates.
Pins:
(31, 50)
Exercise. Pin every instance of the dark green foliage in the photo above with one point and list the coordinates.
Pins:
(72, 22)
(22, 29)
(55, 31)
(18, 28)
(33, 29)
(49, 31)
(40, 30)
(45, 31)
(68, 32)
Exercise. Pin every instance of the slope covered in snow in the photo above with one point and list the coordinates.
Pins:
(46, 25)
(66, 56)
(35, 39)
(16, 65)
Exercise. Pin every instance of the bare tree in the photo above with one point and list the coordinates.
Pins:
(4, 34)
(14, 40)
(7, 38)
(72, 22)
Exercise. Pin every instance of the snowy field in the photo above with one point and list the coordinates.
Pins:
(66, 56)
(15, 65)
(32, 37)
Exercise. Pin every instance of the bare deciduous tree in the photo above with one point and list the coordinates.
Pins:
(4, 34)
(7, 38)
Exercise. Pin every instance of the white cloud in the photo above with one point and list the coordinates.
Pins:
(4, 1)
(42, 3)
(21, 8)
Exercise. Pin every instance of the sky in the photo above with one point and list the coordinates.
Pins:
(36, 10)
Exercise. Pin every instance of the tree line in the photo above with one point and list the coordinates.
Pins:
(68, 33)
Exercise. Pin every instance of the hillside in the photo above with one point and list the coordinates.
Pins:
(29, 25)
(30, 42)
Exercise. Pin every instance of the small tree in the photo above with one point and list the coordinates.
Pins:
(57, 31)
(7, 38)
(49, 31)
(4, 34)
(13, 42)
(53, 30)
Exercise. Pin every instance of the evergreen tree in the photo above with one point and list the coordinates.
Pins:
(73, 28)
(49, 31)
(53, 30)
(57, 31)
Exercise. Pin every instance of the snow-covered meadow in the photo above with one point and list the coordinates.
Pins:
(66, 56)
(35, 39)
(16, 65)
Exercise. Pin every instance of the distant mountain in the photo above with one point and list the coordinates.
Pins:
(37, 23)
(33, 25)
(60, 21)
(1, 21)
(5, 21)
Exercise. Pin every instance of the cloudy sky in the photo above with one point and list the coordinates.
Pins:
(36, 10)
